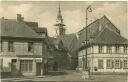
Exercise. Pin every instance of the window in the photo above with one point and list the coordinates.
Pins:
(125, 63)
(100, 64)
(26, 65)
(10, 46)
(109, 64)
(30, 46)
(117, 64)
(1, 45)
(1, 64)
(125, 49)
(109, 49)
(100, 49)
(117, 49)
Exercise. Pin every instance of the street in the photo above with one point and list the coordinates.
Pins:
(68, 76)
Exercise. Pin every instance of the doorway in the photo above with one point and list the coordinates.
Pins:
(38, 68)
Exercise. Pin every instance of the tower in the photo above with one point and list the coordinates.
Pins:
(60, 26)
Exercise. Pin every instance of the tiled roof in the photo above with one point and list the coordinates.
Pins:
(69, 42)
(107, 36)
(67, 39)
(51, 40)
(41, 30)
(31, 24)
(95, 27)
(101, 31)
(13, 28)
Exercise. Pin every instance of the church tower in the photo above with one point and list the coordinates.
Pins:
(60, 25)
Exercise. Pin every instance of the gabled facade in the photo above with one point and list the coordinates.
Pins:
(107, 50)
(21, 50)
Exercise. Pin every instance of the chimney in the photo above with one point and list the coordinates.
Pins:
(19, 18)
(2, 18)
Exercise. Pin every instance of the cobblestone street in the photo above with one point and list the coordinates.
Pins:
(69, 76)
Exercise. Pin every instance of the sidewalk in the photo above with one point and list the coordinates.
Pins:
(69, 76)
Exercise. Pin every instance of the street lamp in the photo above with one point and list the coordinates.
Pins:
(88, 9)
(85, 67)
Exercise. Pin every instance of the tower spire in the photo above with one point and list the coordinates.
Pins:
(60, 24)
(59, 15)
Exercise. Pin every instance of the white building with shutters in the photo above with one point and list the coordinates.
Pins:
(107, 50)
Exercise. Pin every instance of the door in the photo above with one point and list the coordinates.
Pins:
(38, 68)
(14, 70)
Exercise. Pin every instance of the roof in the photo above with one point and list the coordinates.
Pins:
(67, 39)
(51, 40)
(31, 24)
(103, 22)
(13, 28)
(95, 27)
(102, 31)
(69, 42)
(107, 36)
(41, 30)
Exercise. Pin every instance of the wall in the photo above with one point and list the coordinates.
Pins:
(105, 57)
(94, 55)
(20, 48)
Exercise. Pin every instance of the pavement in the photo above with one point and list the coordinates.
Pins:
(68, 76)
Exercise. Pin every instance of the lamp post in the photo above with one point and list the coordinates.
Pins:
(88, 9)
(85, 67)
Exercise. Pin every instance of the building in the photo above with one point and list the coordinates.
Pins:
(21, 47)
(107, 50)
(59, 54)
(67, 41)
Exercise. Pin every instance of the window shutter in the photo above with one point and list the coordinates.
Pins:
(112, 63)
(120, 63)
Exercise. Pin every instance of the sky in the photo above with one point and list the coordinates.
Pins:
(73, 12)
